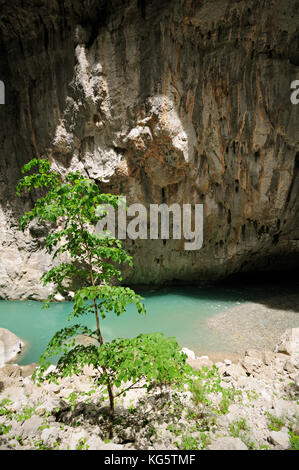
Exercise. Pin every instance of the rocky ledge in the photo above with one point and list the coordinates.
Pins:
(252, 404)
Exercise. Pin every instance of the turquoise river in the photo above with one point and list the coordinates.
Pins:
(178, 312)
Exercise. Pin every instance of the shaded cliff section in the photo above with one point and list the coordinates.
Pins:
(185, 101)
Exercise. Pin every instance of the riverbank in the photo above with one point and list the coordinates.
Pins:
(249, 405)
(256, 325)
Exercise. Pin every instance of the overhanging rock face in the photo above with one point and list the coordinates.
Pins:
(174, 102)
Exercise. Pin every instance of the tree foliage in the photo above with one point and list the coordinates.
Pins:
(70, 204)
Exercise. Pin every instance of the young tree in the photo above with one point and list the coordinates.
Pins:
(71, 205)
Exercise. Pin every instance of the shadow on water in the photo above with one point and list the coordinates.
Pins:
(275, 289)
(274, 293)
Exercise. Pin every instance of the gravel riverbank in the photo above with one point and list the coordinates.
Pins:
(256, 325)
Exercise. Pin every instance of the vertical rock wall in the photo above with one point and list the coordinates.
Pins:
(177, 102)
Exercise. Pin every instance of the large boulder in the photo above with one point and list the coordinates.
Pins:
(31, 426)
(10, 346)
(10, 371)
(289, 342)
(252, 364)
(280, 438)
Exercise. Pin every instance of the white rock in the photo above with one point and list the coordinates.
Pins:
(219, 364)
(89, 371)
(235, 371)
(227, 362)
(252, 364)
(50, 369)
(268, 357)
(65, 392)
(285, 408)
(189, 353)
(85, 340)
(78, 436)
(11, 371)
(27, 381)
(31, 425)
(228, 443)
(59, 298)
(94, 443)
(49, 404)
(293, 376)
(267, 397)
(280, 438)
(49, 435)
(290, 365)
(10, 346)
(289, 342)
(52, 388)
(200, 362)
(16, 395)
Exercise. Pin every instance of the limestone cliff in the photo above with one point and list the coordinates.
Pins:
(183, 101)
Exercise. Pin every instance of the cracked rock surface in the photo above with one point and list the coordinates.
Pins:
(164, 102)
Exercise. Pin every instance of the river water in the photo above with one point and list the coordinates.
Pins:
(177, 312)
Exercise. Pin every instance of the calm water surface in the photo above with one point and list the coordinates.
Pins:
(176, 312)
